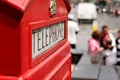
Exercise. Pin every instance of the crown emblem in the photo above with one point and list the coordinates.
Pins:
(52, 8)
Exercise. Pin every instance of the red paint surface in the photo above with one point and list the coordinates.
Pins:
(17, 21)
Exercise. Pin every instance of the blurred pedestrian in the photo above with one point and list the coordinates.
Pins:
(95, 26)
(73, 30)
(116, 13)
(94, 47)
(116, 9)
(118, 44)
(106, 35)
(110, 53)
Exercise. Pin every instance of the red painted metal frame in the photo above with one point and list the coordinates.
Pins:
(60, 72)
(36, 25)
(19, 4)
(16, 61)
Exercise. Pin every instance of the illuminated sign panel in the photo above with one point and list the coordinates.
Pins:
(47, 37)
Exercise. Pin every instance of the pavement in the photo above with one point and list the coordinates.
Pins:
(118, 70)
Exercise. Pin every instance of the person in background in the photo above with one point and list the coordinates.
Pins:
(106, 35)
(73, 30)
(116, 13)
(110, 53)
(94, 47)
(118, 44)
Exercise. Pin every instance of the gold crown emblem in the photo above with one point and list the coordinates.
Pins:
(52, 8)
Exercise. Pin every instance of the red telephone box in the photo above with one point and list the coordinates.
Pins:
(33, 40)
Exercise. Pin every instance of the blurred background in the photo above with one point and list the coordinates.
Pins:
(89, 14)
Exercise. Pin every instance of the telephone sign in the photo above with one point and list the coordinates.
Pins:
(45, 38)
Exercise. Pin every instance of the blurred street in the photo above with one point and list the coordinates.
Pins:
(86, 29)
(82, 38)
